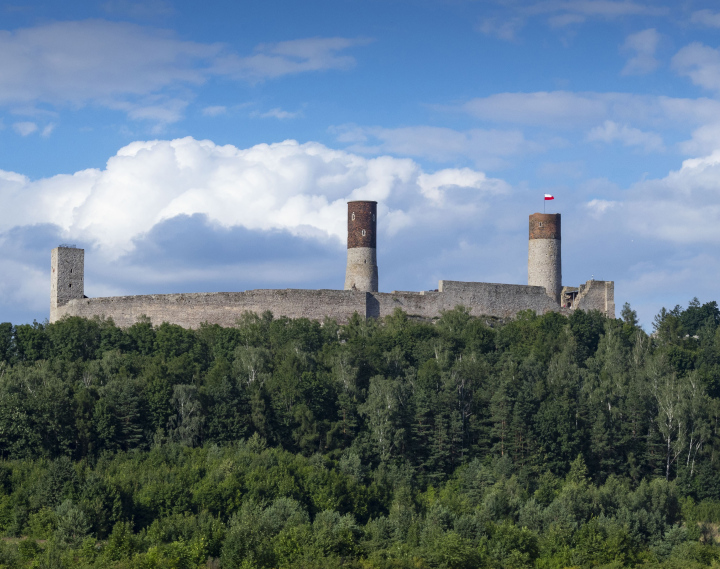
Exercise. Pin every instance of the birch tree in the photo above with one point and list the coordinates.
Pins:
(669, 394)
(696, 416)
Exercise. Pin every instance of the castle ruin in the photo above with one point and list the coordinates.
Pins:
(543, 293)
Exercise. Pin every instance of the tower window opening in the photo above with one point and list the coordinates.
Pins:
(71, 270)
(353, 216)
(373, 217)
(363, 232)
(70, 285)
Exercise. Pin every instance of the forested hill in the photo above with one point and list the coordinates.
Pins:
(545, 441)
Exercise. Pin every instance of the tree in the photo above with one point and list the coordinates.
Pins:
(185, 426)
(31, 342)
(72, 524)
(119, 417)
(74, 338)
(225, 406)
(383, 412)
(669, 393)
(7, 342)
(696, 418)
(628, 315)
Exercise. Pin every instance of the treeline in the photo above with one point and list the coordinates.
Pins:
(544, 441)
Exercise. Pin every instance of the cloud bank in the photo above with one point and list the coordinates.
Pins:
(298, 188)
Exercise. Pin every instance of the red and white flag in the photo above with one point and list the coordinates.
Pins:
(549, 197)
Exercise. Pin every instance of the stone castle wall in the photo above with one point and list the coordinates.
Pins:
(224, 308)
(502, 300)
(482, 299)
(597, 295)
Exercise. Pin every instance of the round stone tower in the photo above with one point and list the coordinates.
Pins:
(362, 271)
(544, 262)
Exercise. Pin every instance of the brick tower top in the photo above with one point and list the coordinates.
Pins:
(545, 226)
(362, 224)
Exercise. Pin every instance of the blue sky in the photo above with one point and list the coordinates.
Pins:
(213, 148)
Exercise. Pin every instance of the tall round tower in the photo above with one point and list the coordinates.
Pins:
(362, 271)
(544, 261)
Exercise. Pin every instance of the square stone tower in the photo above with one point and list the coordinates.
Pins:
(67, 277)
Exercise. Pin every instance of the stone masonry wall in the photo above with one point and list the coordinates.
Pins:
(597, 295)
(502, 300)
(418, 304)
(224, 308)
(545, 266)
(483, 299)
(67, 276)
(362, 270)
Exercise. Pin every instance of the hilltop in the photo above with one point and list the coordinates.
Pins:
(542, 441)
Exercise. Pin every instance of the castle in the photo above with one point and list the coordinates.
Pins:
(543, 293)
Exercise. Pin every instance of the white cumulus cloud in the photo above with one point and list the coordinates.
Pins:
(298, 188)
(682, 208)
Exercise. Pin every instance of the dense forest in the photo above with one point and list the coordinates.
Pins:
(542, 441)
